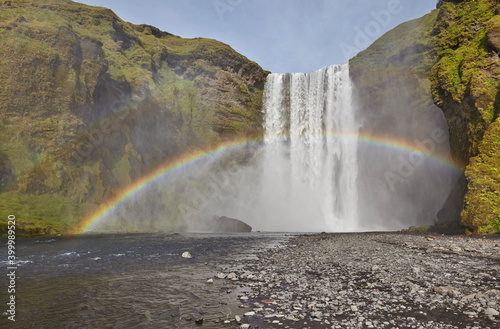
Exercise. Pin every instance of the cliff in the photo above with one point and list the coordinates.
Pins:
(89, 103)
(449, 57)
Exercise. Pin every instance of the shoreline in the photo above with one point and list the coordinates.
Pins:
(372, 280)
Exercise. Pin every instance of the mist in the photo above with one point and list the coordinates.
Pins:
(328, 162)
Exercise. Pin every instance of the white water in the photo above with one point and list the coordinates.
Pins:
(310, 157)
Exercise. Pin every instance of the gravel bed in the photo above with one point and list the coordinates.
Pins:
(370, 280)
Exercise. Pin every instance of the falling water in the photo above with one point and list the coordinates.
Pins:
(310, 159)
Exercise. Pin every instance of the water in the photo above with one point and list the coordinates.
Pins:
(128, 281)
(310, 157)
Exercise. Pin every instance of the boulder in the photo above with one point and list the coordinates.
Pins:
(493, 37)
(226, 224)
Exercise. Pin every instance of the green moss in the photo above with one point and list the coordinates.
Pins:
(53, 210)
(482, 202)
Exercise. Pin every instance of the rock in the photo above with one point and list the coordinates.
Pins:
(251, 313)
(317, 314)
(491, 311)
(237, 318)
(445, 289)
(354, 308)
(199, 321)
(268, 301)
(245, 326)
(493, 38)
(186, 254)
(231, 276)
(210, 281)
(220, 275)
(226, 224)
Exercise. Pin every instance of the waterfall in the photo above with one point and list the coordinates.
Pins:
(326, 165)
(310, 155)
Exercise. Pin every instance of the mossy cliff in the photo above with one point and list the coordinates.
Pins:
(450, 57)
(89, 103)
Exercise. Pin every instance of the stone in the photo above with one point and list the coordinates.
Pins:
(198, 321)
(491, 311)
(251, 313)
(444, 289)
(237, 318)
(220, 275)
(210, 281)
(317, 314)
(245, 326)
(186, 254)
(493, 38)
(227, 224)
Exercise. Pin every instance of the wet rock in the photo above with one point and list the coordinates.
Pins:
(226, 224)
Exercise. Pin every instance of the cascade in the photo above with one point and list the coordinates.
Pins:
(310, 155)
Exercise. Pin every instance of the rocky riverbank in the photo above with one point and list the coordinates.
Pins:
(371, 280)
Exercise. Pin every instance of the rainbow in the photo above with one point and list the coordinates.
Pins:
(174, 165)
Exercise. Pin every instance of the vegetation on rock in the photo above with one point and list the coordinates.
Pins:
(451, 54)
(89, 103)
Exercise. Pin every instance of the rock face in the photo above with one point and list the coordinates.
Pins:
(226, 224)
(465, 84)
(457, 63)
(89, 103)
(392, 88)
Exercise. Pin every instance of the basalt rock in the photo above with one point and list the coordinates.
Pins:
(226, 224)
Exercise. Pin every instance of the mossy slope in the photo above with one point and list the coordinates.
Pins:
(88, 103)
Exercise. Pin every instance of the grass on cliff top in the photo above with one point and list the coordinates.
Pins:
(404, 45)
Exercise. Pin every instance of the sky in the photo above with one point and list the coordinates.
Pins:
(280, 35)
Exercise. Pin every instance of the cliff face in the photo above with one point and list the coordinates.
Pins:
(89, 103)
(449, 57)
(466, 85)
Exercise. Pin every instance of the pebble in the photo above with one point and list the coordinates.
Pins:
(186, 254)
(324, 280)
(491, 311)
